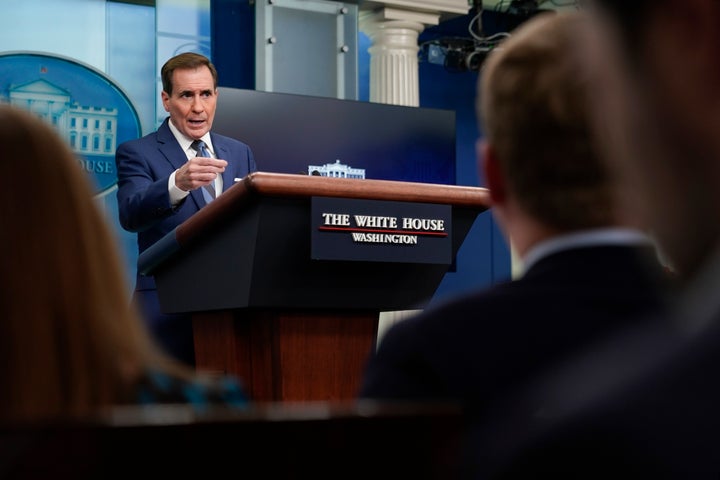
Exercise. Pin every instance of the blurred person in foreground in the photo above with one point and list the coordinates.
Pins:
(645, 403)
(163, 180)
(70, 343)
(587, 273)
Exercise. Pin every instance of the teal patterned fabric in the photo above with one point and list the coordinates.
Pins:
(201, 393)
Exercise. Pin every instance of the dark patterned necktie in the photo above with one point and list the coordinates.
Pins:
(208, 190)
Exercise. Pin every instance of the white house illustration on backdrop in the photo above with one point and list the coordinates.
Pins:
(89, 130)
(337, 170)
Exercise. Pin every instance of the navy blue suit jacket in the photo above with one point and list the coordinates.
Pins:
(474, 348)
(483, 348)
(144, 166)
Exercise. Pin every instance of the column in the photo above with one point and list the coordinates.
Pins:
(393, 27)
(393, 53)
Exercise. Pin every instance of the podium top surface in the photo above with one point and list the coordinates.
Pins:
(308, 185)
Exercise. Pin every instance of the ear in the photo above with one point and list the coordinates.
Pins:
(494, 178)
(165, 100)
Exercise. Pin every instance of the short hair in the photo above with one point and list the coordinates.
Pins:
(185, 61)
(532, 104)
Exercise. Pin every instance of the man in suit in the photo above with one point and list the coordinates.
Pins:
(645, 402)
(162, 179)
(585, 272)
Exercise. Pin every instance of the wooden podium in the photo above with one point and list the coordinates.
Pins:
(293, 327)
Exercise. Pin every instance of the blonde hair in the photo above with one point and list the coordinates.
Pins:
(532, 104)
(70, 341)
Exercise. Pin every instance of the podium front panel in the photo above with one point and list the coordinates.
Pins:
(262, 258)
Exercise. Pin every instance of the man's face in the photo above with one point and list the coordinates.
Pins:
(192, 102)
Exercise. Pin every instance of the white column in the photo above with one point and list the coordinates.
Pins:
(393, 53)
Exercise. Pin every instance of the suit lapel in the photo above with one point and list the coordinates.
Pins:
(170, 149)
(222, 151)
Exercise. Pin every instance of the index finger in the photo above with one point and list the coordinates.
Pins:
(208, 161)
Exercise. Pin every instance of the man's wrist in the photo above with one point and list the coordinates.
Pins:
(176, 193)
